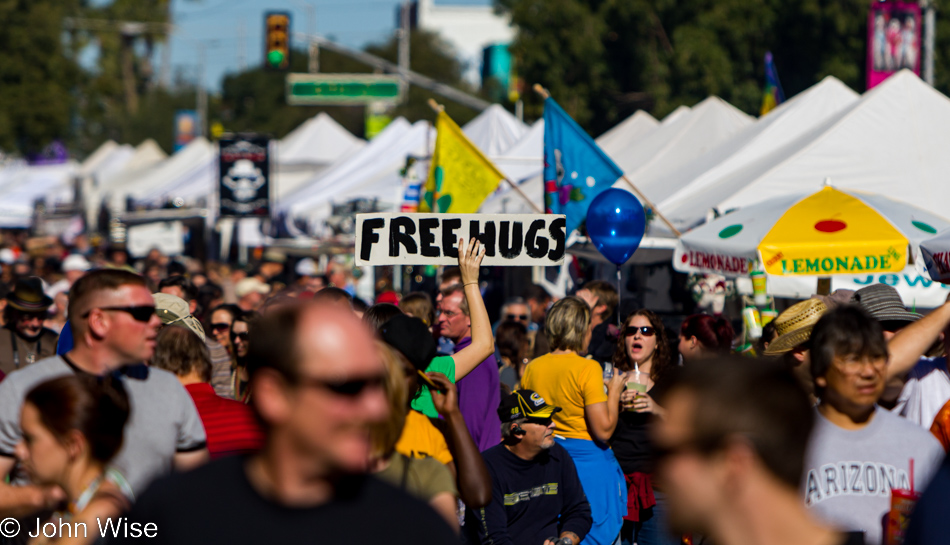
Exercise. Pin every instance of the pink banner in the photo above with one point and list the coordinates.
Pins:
(893, 40)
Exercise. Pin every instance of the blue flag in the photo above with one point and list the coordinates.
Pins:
(575, 168)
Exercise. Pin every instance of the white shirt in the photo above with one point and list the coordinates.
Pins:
(926, 391)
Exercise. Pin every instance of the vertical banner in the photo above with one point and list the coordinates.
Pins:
(186, 127)
(893, 39)
(244, 175)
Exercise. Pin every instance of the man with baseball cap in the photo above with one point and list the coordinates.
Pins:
(25, 340)
(536, 494)
(250, 292)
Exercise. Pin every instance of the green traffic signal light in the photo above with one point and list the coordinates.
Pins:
(275, 57)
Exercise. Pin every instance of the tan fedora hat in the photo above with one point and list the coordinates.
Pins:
(794, 325)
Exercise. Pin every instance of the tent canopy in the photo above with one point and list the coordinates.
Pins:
(494, 130)
(318, 141)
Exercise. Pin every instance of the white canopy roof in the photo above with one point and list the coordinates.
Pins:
(22, 184)
(186, 166)
(683, 139)
(629, 130)
(319, 140)
(495, 130)
(893, 142)
(780, 127)
(526, 157)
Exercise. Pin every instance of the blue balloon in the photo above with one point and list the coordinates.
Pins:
(615, 224)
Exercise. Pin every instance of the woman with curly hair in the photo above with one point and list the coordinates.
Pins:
(643, 346)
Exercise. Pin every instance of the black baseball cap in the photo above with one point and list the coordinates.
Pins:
(412, 338)
(524, 404)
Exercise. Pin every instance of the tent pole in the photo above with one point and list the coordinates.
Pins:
(651, 205)
(523, 196)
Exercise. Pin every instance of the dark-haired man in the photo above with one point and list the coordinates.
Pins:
(858, 452)
(25, 340)
(730, 455)
(536, 494)
(308, 483)
(114, 325)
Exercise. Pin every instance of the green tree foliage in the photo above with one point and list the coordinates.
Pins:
(38, 73)
(604, 59)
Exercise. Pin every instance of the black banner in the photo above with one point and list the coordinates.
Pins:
(244, 175)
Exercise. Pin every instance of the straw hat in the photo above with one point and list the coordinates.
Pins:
(794, 325)
(884, 304)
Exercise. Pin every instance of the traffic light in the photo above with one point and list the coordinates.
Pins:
(277, 40)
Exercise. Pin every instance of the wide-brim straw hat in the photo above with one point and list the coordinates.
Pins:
(884, 304)
(794, 325)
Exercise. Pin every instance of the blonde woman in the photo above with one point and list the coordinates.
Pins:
(589, 415)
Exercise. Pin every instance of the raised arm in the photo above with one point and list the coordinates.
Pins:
(910, 343)
(483, 343)
(474, 482)
(602, 417)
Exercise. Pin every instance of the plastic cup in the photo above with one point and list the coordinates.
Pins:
(636, 386)
(902, 505)
(768, 315)
(758, 288)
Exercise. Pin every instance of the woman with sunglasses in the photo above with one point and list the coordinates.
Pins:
(642, 346)
(219, 324)
(240, 331)
(588, 415)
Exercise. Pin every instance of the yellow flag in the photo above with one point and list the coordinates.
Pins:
(461, 177)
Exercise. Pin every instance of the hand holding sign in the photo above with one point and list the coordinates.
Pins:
(470, 260)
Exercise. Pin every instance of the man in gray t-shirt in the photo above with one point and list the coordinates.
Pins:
(858, 453)
(113, 320)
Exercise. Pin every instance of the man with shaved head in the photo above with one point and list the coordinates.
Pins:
(317, 386)
(114, 325)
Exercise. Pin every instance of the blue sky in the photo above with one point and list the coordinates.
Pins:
(218, 24)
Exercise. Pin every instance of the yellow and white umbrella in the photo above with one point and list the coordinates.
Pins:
(826, 233)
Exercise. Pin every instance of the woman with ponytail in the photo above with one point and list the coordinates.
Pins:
(702, 335)
(72, 429)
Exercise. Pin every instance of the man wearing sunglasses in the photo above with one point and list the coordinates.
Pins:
(114, 325)
(317, 379)
(537, 497)
(730, 455)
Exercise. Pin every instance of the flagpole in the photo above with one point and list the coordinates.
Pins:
(439, 108)
(546, 95)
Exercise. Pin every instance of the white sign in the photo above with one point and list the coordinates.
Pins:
(432, 239)
(167, 236)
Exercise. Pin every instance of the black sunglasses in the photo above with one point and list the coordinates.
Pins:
(219, 327)
(645, 330)
(516, 316)
(539, 421)
(141, 313)
(242, 335)
(346, 388)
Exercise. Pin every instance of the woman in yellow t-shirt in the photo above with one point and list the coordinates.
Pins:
(588, 415)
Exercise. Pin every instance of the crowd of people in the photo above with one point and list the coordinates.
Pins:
(180, 403)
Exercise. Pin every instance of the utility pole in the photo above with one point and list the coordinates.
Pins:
(242, 46)
(404, 31)
(202, 94)
(930, 32)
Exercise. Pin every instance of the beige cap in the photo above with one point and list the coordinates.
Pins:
(794, 325)
(250, 284)
(174, 311)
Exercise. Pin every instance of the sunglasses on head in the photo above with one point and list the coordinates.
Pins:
(345, 388)
(645, 330)
(516, 316)
(141, 313)
(220, 327)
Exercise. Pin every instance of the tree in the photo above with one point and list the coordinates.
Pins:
(37, 73)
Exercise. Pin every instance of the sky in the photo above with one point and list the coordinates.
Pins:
(233, 29)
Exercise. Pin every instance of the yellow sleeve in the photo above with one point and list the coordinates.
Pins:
(442, 453)
(591, 379)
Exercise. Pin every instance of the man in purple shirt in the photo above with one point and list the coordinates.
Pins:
(479, 392)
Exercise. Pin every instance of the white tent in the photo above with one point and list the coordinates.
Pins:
(627, 131)
(494, 130)
(686, 137)
(780, 127)
(526, 157)
(893, 141)
(616, 142)
(319, 141)
(193, 164)
(22, 184)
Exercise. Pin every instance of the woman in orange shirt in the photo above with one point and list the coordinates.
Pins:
(588, 416)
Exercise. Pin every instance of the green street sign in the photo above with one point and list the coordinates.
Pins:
(341, 89)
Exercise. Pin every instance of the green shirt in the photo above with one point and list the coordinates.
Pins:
(423, 402)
